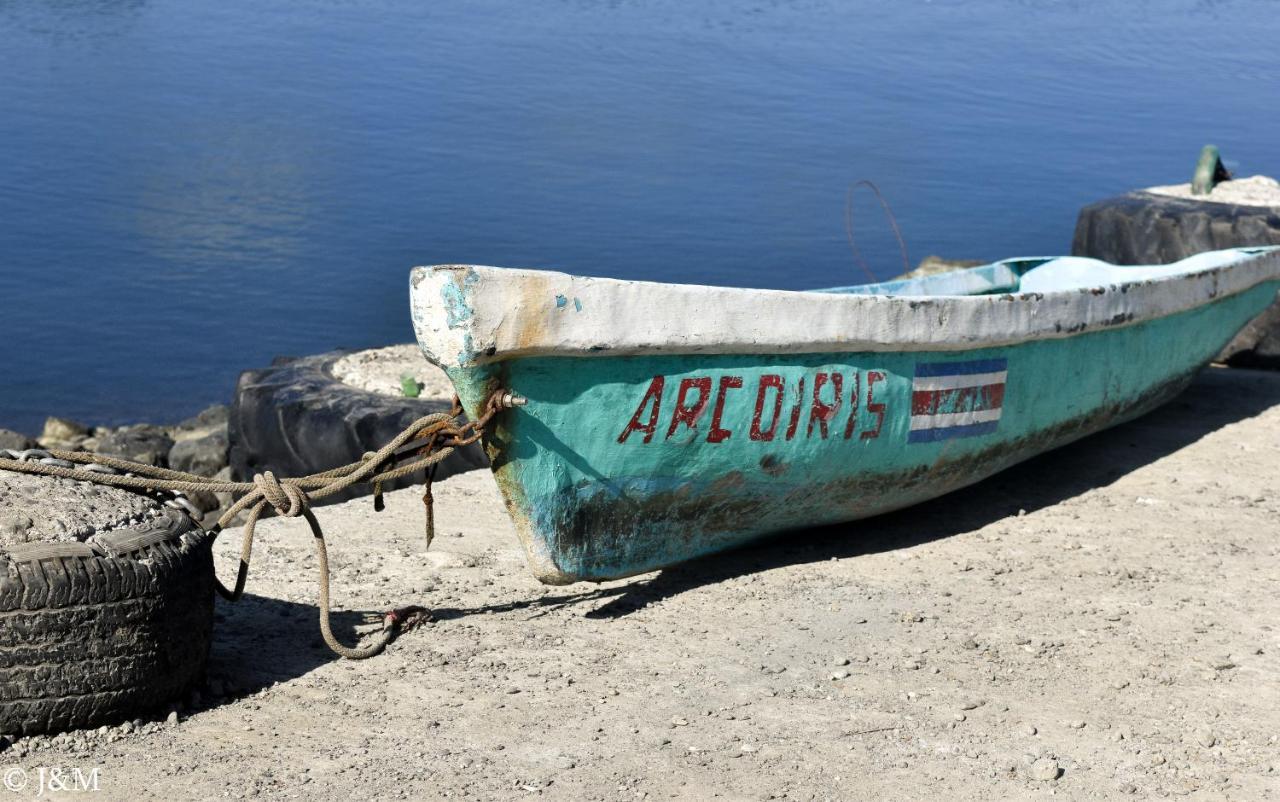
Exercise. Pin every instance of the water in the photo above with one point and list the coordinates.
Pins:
(188, 189)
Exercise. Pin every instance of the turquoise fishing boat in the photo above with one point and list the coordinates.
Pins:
(661, 422)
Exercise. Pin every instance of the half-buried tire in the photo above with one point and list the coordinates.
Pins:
(106, 604)
(297, 418)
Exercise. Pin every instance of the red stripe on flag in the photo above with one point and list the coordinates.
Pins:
(959, 399)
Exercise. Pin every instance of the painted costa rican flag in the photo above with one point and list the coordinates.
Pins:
(956, 399)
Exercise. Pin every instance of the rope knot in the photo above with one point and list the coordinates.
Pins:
(284, 497)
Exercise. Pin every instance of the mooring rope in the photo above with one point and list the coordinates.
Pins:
(439, 433)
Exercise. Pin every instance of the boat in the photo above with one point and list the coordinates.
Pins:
(663, 422)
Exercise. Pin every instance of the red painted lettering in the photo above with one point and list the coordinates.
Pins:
(821, 413)
(688, 415)
(767, 381)
(873, 406)
(655, 393)
(718, 434)
(854, 391)
(795, 413)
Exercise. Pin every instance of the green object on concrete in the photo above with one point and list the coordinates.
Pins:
(1209, 171)
(409, 386)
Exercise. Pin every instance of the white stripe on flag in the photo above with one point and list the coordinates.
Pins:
(945, 419)
(954, 382)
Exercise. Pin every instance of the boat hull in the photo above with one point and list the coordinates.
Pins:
(623, 464)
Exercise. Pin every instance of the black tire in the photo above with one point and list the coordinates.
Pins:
(1145, 228)
(93, 633)
(295, 418)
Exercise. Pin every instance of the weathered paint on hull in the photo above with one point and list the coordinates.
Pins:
(603, 485)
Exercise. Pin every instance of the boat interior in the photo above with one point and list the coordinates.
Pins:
(1046, 274)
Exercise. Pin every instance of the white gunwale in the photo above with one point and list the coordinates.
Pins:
(470, 315)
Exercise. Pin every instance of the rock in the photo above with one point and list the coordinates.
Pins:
(211, 420)
(172, 718)
(1029, 730)
(1154, 228)
(14, 526)
(932, 265)
(225, 500)
(1044, 770)
(839, 675)
(15, 441)
(1206, 738)
(62, 430)
(1076, 725)
(972, 704)
(141, 443)
(203, 500)
(1258, 344)
(203, 456)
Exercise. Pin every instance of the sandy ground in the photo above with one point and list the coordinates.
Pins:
(1256, 190)
(1097, 623)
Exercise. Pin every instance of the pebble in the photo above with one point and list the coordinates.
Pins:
(840, 661)
(1044, 770)
(1206, 738)
(972, 704)
(1222, 663)
(1029, 730)
(838, 675)
(172, 718)
(1076, 725)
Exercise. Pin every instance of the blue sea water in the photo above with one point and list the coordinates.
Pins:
(188, 189)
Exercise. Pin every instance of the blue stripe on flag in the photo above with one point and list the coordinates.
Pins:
(961, 368)
(951, 432)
